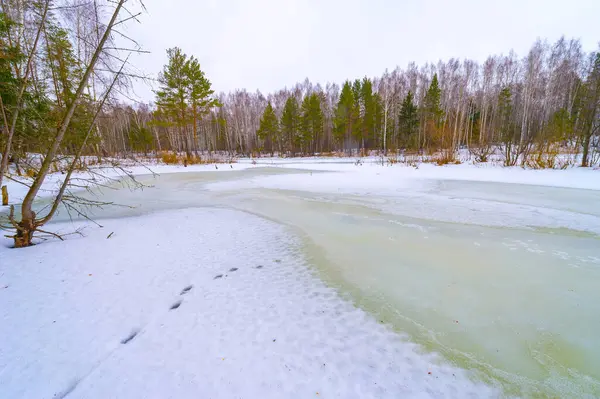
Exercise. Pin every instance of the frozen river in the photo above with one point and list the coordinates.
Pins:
(501, 279)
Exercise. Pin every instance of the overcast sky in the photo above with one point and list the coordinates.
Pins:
(270, 44)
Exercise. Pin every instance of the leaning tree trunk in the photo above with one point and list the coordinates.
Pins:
(28, 224)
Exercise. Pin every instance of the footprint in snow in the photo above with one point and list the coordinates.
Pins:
(233, 269)
(176, 305)
(128, 338)
(186, 290)
(218, 276)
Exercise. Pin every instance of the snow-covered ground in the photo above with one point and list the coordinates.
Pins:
(373, 173)
(196, 303)
(102, 174)
(420, 249)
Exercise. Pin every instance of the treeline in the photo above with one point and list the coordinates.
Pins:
(529, 108)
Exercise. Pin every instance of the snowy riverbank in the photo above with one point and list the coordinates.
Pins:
(222, 305)
(367, 173)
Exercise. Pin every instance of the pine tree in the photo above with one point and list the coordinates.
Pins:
(140, 139)
(358, 110)
(66, 73)
(505, 126)
(433, 114)
(184, 86)
(172, 96)
(368, 121)
(345, 114)
(378, 115)
(269, 128)
(311, 122)
(199, 93)
(316, 119)
(432, 102)
(408, 121)
(10, 55)
(504, 114)
(290, 123)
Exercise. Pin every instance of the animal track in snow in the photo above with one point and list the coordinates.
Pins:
(233, 269)
(217, 276)
(176, 305)
(131, 336)
(186, 289)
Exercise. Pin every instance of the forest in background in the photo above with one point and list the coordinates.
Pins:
(529, 109)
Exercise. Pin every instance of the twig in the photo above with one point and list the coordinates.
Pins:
(50, 233)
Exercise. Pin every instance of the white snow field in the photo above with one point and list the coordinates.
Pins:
(250, 320)
(336, 280)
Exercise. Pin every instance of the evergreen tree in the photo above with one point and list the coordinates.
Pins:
(172, 96)
(140, 139)
(37, 113)
(311, 122)
(368, 120)
(474, 119)
(408, 121)
(358, 111)
(560, 126)
(199, 93)
(432, 102)
(345, 114)
(433, 114)
(9, 56)
(378, 115)
(185, 94)
(316, 119)
(269, 128)
(505, 126)
(504, 114)
(66, 73)
(290, 123)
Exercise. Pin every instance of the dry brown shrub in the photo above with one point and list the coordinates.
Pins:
(169, 158)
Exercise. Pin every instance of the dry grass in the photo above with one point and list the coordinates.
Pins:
(171, 158)
(333, 154)
(441, 161)
(548, 159)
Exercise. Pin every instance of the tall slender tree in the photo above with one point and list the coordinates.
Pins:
(172, 96)
(268, 131)
(368, 117)
(506, 127)
(311, 122)
(346, 115)
(432, 112)
(290, 123)
(199, 93)
(408, 121)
